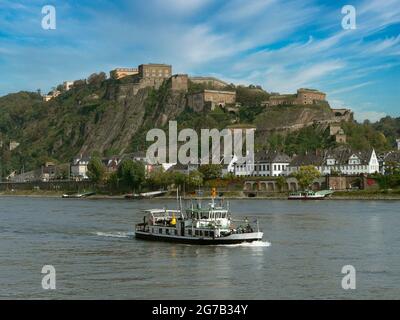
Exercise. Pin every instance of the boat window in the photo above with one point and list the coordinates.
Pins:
(206, 233)
(189, 232)
(166, 231)
(176, 232)
(201, 233)
(196, 232)
(160, 231)
(152, 230)
(212, 234)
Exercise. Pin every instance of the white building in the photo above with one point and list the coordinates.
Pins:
(67, 85)
(266, 164)
(341, 161)
(79, 167)
(389, 161)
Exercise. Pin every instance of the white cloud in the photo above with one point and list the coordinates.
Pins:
(351, 88)
(180, 7)
(239, 10)
(282, 79)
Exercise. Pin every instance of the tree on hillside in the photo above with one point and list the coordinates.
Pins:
(280, 182)
(194, 179)
(79, 83)
(159, 178)
(179, 179)
(131, 173)
(96, 170)
(211, 171)
(96, 78)
(306, 175)
(113, 180)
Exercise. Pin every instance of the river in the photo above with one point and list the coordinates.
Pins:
(305, 246)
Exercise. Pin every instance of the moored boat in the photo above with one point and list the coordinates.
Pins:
(78, 195)
(145, 195)
(309, 195)
(211, 225)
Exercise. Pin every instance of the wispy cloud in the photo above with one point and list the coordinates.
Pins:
(351, 88)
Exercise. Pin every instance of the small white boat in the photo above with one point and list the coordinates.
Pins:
(77, 195)
(309, 195)
(145, 195)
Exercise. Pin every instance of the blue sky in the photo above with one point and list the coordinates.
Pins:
(281, 45)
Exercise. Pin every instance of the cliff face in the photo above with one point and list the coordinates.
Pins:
(294, 117)
(117, 125)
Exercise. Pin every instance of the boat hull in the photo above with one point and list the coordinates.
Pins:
(231, 239)
(307, 198)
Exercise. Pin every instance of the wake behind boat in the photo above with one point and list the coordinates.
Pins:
(211, 225)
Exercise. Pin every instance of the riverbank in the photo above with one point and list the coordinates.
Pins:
(238, 195)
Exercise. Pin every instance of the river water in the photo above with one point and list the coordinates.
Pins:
(305, 246)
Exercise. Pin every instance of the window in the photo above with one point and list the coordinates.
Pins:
(212, 234)
(196, 232)
(160, 231)
(175, 232)
(166, 231)
(189, 232)
(152, 230)
(206, 233)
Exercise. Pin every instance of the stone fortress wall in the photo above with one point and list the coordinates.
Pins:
(210, 82)
(210, 99)
(302, 97)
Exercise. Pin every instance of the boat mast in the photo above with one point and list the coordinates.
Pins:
(177, 198)
(180, 208)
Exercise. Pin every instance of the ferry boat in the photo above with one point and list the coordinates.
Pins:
(309, 195)
(211, 225)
